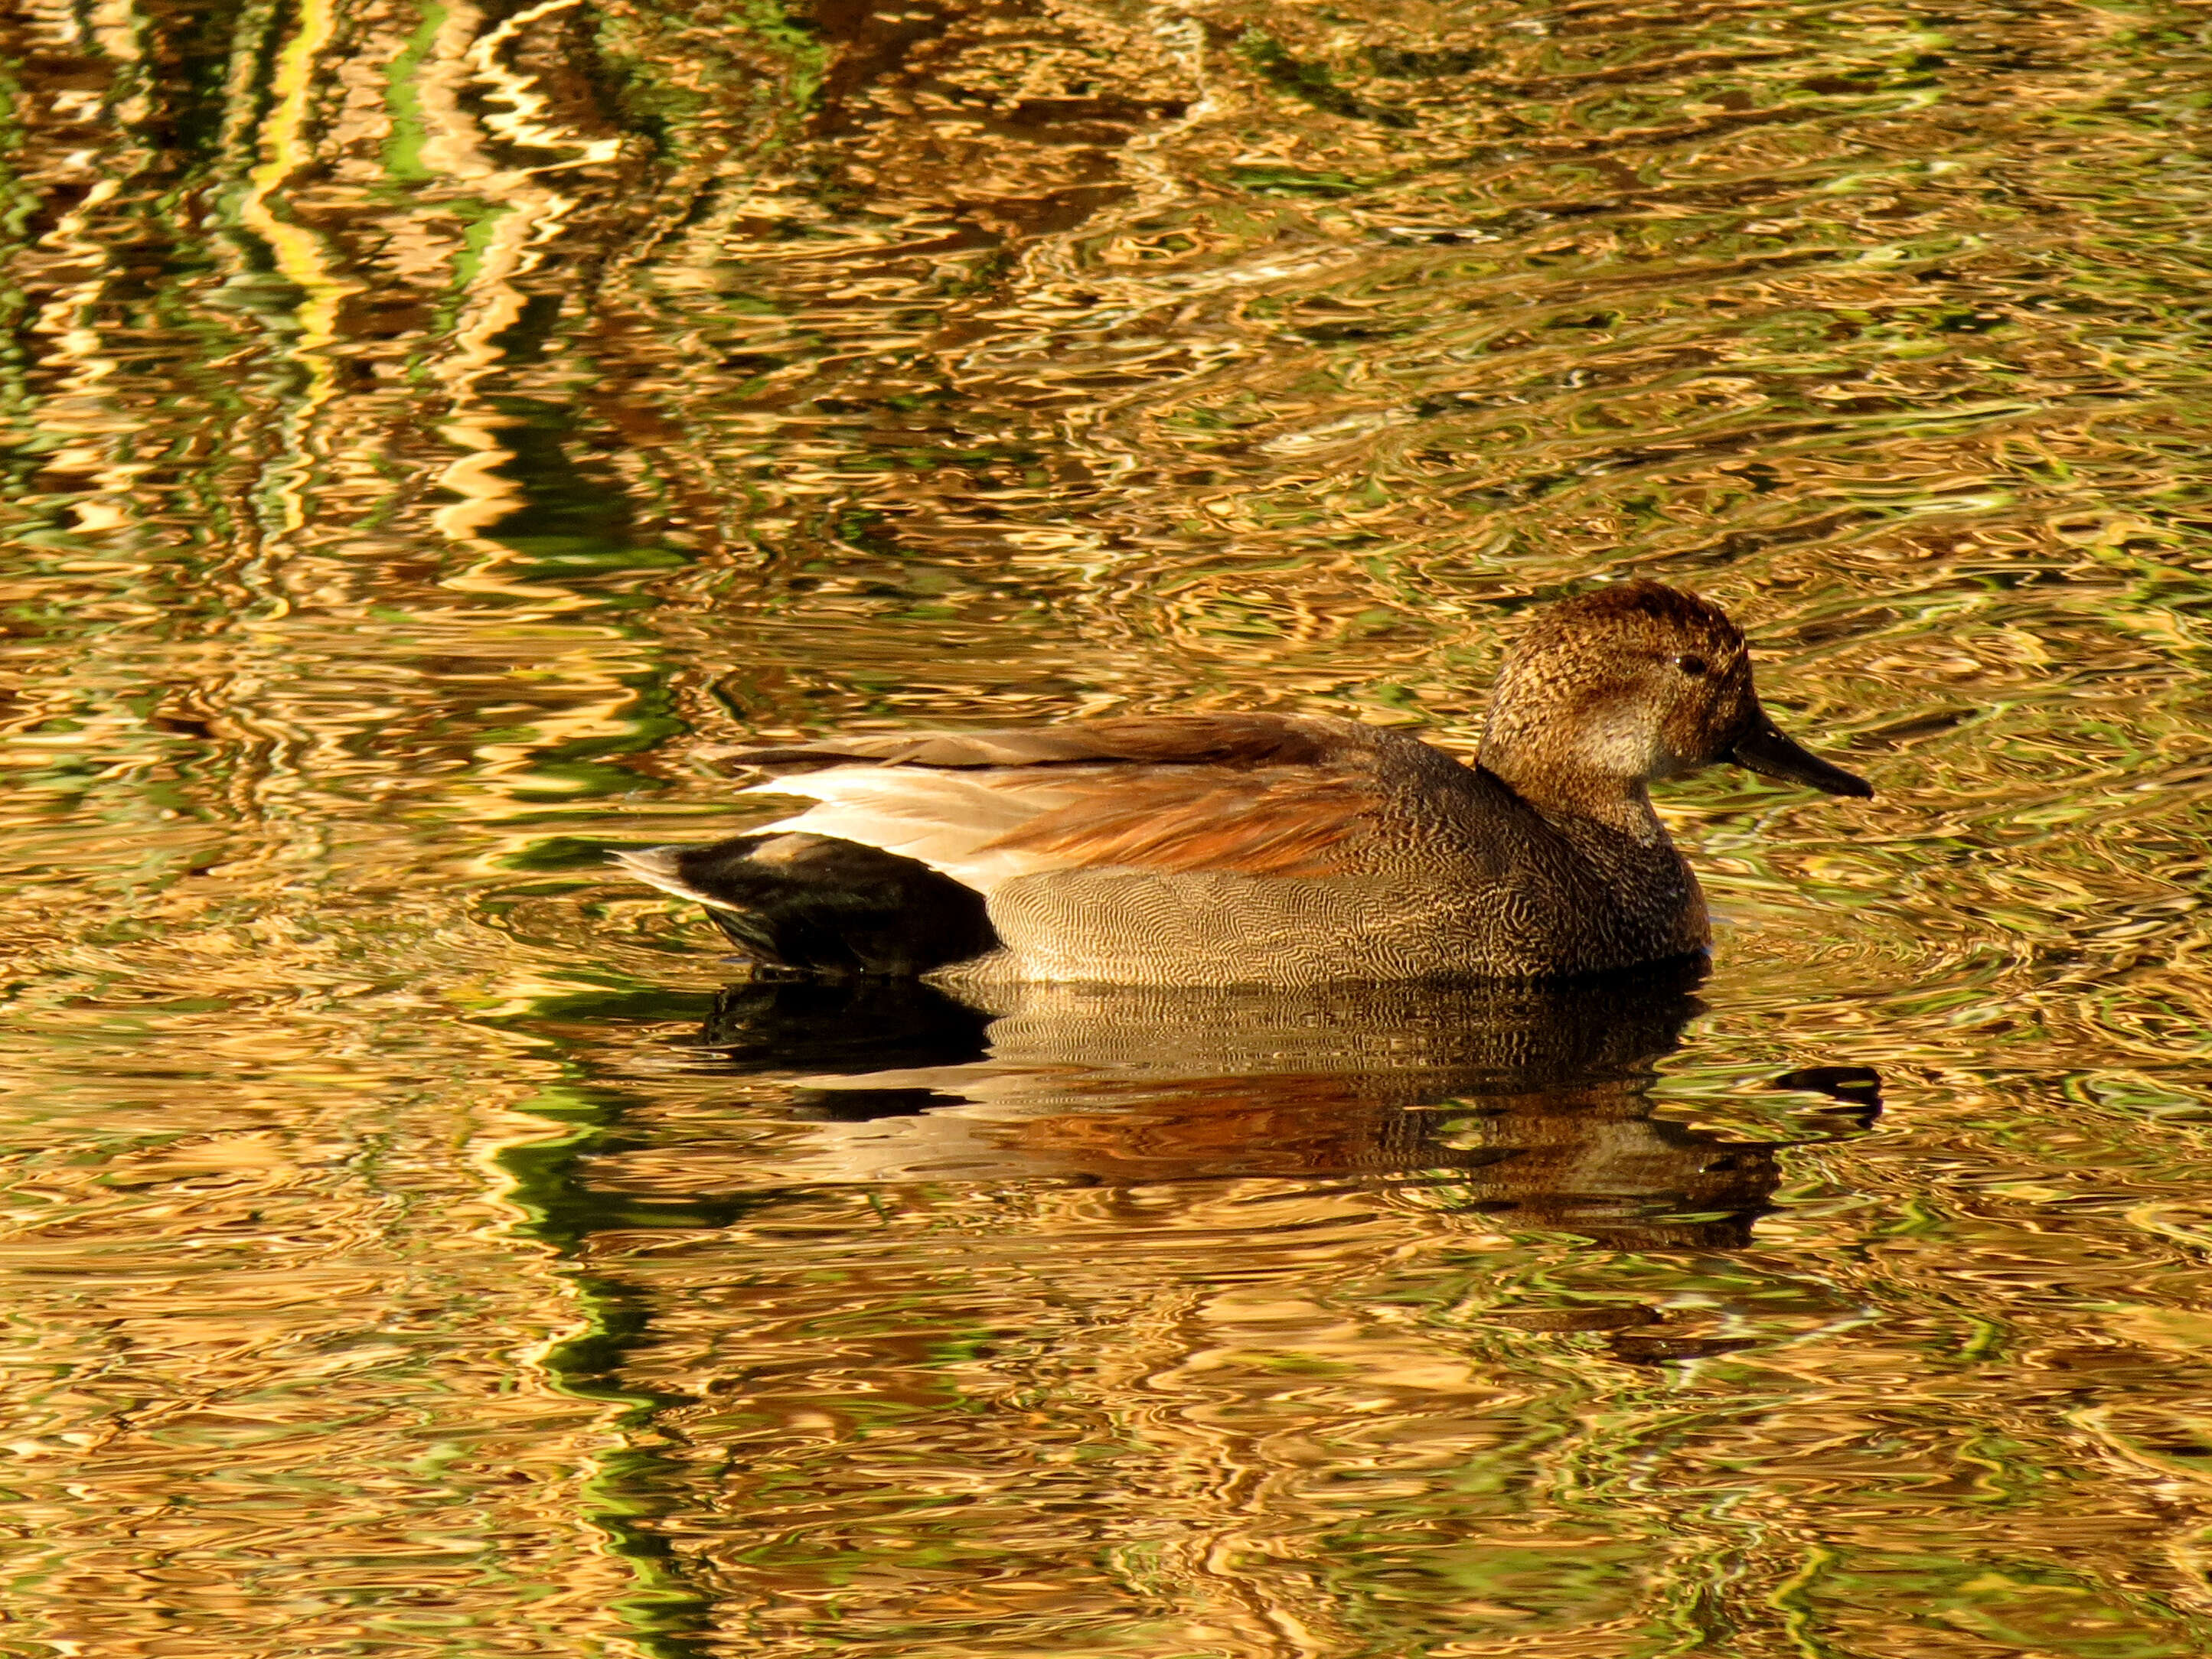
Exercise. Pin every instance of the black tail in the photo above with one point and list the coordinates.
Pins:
(816, 904)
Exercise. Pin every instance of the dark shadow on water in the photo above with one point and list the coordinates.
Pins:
(1530, 1104)
(829, 1025)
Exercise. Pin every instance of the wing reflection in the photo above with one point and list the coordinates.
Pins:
(1528, 1104)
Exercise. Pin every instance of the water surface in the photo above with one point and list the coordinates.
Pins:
(430, 430)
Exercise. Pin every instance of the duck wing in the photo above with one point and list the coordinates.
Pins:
(1284, 795)
(1238, 740)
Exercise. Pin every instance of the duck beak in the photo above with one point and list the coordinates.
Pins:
(1763, 749)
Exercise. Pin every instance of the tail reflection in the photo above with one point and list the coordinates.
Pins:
(1530, 1103)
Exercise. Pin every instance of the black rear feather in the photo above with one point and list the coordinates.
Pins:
(819, 905)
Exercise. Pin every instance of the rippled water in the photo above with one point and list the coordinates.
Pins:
(430, 430)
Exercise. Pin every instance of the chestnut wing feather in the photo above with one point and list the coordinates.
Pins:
(1255, 794)
(1276, 822)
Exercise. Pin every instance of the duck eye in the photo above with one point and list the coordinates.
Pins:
(1692, 666)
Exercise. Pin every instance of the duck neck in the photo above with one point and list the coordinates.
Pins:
(1621, 803)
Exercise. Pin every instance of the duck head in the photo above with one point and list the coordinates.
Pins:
(1634, 681)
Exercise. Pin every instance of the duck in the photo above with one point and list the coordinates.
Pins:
(1226, 849)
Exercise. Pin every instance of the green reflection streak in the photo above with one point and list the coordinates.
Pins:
(635, 1484)
(403, 151)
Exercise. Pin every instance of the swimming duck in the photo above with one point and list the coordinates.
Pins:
(1264, 849)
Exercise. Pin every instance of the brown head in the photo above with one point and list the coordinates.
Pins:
(1634, 681)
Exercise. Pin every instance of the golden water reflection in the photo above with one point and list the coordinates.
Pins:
(1360, 1320)
(427, 431)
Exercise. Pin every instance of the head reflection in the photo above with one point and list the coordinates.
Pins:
(1528, 1104)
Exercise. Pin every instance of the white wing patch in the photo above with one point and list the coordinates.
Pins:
(945, 819)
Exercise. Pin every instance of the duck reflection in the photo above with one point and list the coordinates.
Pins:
(1528, 1104)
